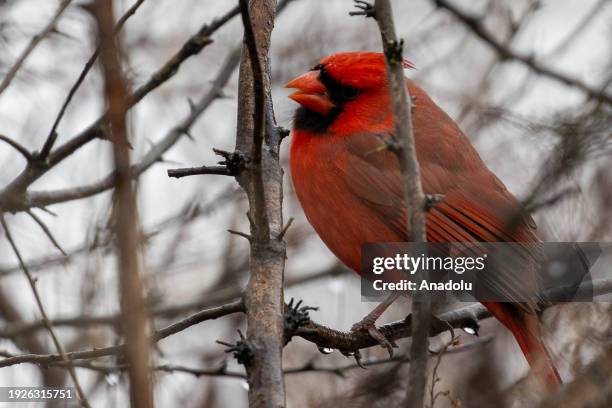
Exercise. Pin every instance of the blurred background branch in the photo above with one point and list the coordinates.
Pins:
(528, 81)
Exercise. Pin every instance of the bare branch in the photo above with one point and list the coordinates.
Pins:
(12, 196)
(32, 45)
(465, 317)
(46, 230)
(196, 171)
(42, 198)
(414, 198)
(134, 314)
(477, 27)
(208, 299)
(43, 313)
(262, 182)
(52, 137)
(24, 152)
(204, 315)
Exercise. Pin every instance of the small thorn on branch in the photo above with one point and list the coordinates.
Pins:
(240, 234)
(192, 105)
(366, 9)
(431, 200)
(241, 350)
(283, 132)
(285, 229)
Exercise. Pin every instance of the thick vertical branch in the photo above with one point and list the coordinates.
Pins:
(405, 150)
(259, 137)
(134, 317)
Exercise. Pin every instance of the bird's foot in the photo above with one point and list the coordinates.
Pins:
(356, 354)
(369, 326)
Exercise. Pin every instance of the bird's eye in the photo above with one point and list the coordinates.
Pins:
(349, 92)
(317, 67)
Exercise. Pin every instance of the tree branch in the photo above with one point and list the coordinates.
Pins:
(52, 137)
(477, 27)
(465, 317)
(262, 182)
(22, 150)
(44, 198)
(134, 315)
(8, 78)
(208, 299)
(43, 313)
(414, 198)
(12, 196)
(119, 350)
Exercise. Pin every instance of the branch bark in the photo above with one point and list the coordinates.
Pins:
(413, 194)
(134, 317)
(262, 182)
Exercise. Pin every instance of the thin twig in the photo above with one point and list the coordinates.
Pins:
(46, 230)
(43, 313)
(306, 368)
(11, 196)
(52, 137)
(118, 350)
(32, 45)
(476, 25)
(42, 198)
(208, 299)
(193, 171)
(24, 152)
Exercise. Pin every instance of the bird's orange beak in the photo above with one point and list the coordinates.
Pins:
(311, 93)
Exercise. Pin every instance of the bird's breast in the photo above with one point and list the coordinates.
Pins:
(318, 169)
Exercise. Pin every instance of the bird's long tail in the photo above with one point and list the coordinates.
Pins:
(525, 328)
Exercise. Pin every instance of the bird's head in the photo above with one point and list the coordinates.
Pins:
(348, 82)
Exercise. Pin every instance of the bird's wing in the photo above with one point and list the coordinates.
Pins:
(471, 211)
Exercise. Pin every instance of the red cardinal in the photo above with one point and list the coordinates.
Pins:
(351, 191)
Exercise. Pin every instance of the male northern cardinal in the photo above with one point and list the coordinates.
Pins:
(351, 190)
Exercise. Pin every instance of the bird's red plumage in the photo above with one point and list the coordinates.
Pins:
(351, 189)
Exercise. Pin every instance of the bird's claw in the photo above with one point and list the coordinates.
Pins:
(357, 356)
(376, 334)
